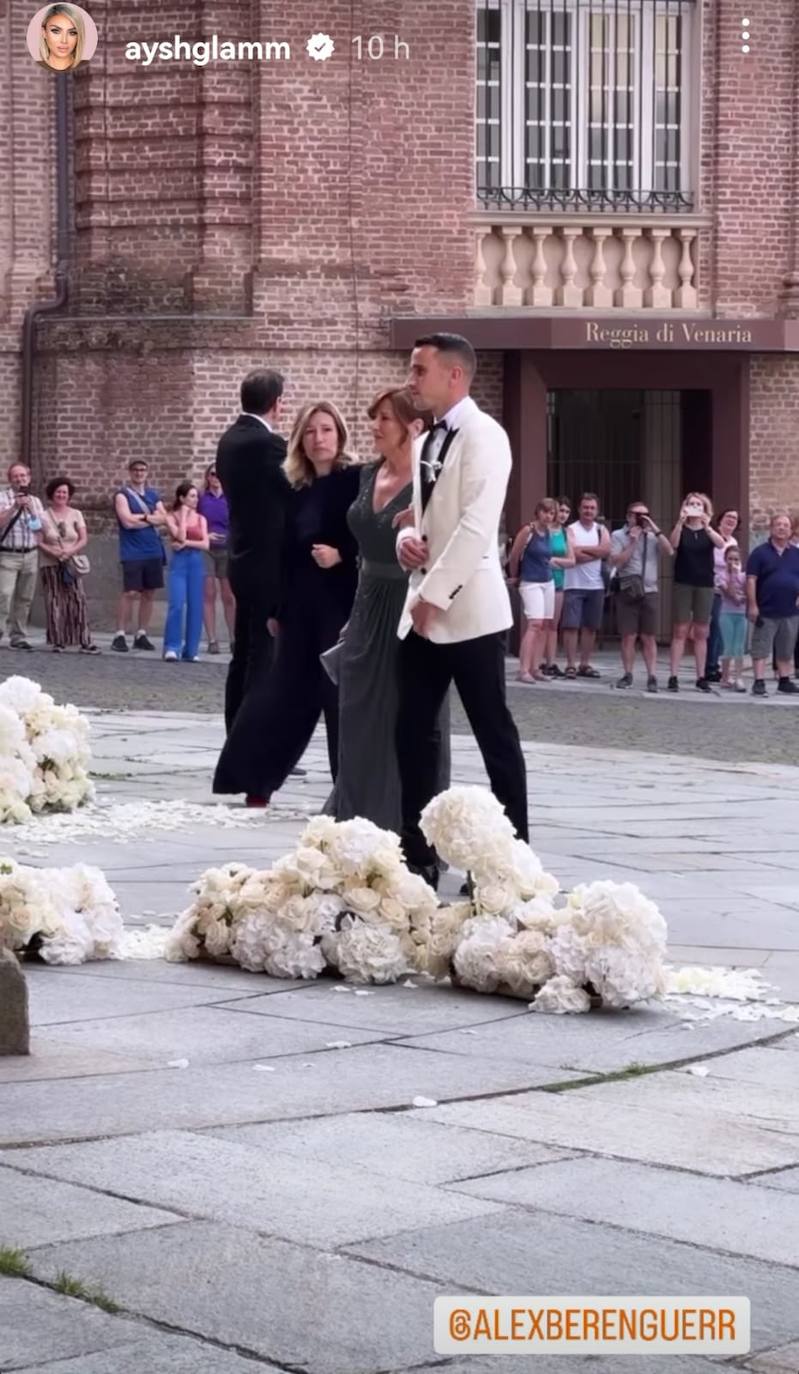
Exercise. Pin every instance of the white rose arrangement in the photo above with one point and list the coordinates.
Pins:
(65, 915)
(44, 753)
(607, 944)
(342, 901)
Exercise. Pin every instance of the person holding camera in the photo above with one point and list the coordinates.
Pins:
(20, 525)
(693, 540)
(634, 556)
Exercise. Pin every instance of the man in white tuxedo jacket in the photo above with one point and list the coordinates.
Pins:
(457, 606)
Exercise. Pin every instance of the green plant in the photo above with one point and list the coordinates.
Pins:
(75, 1288)
(14, 1263)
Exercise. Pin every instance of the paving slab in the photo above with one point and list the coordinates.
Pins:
(783, 1180)
(524, 1253)
(236, 1183)
(364, 1077)
(50, 1057)
(391, 1009)
(667, 1118)
(56, 1000)
(761, 1066)
(393, 1145)
(196, 973)
(329, 1314)
(156, 1353)
(586, 1364)
(206, 1035)
(782, 1361)
(612, 1041)
(718, 1214)
(37, 1326)
(35, 1211)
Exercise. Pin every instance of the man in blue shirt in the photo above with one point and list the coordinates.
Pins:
(772, 594)
(140, 513)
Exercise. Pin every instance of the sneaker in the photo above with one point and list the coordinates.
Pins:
(142, 642)
(626, 680)
(170, 656)
(759, 688)
(788, 686)
(119, 644)
(21, 644)
(713, 675)
(672, 685)
(702, 685)
(740, 685)
(651, 684)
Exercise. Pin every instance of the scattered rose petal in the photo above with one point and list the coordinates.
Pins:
(338, 1045)
(698, 1070)
(362, 992)
(425, 1102)
(264, 1068)
(178, 1064)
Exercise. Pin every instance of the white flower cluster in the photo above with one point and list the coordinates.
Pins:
(66, 915)
(44, 753)
(343, 900)
(608, 941)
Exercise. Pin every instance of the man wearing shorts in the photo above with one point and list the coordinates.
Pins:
(584, 588)
(634, 555)
(140, 512)
(772, 591)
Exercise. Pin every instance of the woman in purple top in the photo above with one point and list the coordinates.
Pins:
(213, 505)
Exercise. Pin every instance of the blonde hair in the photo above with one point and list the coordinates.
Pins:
(298, 467)
(705, 500)
(76, 20)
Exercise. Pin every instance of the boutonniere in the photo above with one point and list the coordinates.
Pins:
(433, 467)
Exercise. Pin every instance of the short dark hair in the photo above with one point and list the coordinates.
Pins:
(56, 482)
(588, 496)
(138, 463)
(453, 344)
(260, 390)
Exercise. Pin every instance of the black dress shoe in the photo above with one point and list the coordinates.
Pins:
(298, 772)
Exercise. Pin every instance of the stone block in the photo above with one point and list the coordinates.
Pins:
(286, 1303)
(14, 1019)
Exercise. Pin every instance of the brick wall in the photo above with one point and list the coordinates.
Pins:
(749, 157)
(774, 427)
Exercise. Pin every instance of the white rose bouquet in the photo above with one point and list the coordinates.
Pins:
(64, 915)
(44, 752)
(607, 944)
(343, 901)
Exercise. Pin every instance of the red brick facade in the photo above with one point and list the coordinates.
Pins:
(302, 205)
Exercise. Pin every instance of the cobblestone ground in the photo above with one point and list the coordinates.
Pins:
(589, 714)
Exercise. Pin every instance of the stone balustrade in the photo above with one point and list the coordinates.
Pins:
(574, 261)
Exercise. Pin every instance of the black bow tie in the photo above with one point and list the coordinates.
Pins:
(439, 424)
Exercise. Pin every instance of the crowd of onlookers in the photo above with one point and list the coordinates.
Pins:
(48, 540)
(574, 575)
(726, 605)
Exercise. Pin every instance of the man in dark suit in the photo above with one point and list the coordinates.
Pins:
(249, 462)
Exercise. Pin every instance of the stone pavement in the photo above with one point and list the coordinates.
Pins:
(280, 1203)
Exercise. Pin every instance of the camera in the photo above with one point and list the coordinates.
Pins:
(694, 508)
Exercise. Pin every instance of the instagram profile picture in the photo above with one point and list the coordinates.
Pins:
(60, 37)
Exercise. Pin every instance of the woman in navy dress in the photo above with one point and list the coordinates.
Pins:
(278, 716)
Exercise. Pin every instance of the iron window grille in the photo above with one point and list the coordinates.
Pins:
(585, 104)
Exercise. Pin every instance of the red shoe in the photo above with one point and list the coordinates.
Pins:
(255, 801)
